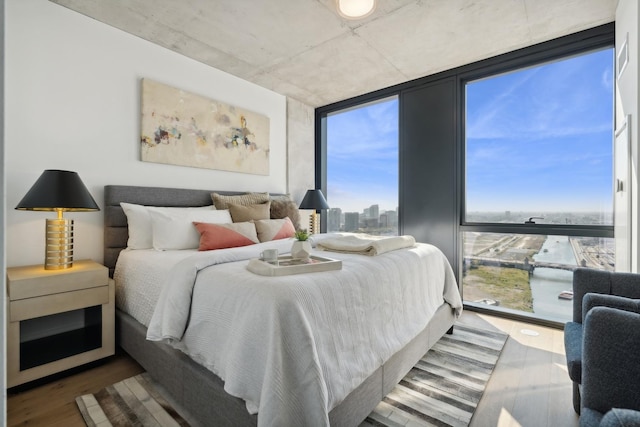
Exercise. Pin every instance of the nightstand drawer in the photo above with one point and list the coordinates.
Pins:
(50, 304)
(35, 281)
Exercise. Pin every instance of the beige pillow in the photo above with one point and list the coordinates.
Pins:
(240, 213)
(222, 201)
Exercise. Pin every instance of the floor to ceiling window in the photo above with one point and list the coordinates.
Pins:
(362, 168)
(538, 183)
(505, 164)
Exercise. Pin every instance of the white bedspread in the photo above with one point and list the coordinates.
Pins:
(139, 277)
(293, 347)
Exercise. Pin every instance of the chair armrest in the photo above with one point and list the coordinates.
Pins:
(592, 300)
(610, 369)
(573, 350)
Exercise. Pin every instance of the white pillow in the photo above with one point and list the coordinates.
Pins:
(139, 223)
(175, 230)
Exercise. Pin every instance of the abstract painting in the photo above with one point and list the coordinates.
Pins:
(182, 128)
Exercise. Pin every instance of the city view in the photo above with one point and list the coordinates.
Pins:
(370, 220)
(531, 273)
(523, 272)
(537, 149)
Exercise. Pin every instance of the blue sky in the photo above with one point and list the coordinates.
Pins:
(362, 158)
(539, 139)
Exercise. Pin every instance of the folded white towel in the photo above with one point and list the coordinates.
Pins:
(366, 244)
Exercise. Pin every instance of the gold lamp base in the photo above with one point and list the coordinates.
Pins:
(314, 225)
(59, 244)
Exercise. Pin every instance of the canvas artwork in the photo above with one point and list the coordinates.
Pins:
(182, 128)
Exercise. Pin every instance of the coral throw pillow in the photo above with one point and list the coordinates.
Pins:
(274, 229)
(222, 236)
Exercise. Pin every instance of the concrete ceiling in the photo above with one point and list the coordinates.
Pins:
(303, 49)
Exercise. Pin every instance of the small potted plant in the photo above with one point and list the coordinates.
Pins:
(301, 246)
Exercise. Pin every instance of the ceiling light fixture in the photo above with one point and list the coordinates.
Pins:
(355, 9)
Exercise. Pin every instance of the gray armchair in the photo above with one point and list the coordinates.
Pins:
(603, 346)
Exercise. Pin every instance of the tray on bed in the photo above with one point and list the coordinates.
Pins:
(288, 265)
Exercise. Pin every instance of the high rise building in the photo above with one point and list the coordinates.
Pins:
(392, 218)
(374, 211)
(351, 221)
(384, 220)
(334, 219)
(374, 216)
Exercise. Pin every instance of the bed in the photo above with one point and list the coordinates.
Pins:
(196, 389)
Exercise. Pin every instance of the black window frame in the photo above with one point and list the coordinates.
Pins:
(592, 39)
(559, 53)
(321, 136)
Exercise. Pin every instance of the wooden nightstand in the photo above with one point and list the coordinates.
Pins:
(57, 319)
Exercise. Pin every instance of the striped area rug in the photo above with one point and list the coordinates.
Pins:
(130, 402)
(443, 389)
(445, 386)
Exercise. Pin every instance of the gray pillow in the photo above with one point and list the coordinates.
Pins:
(282, 208)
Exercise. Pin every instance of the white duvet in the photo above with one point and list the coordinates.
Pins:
(293, 347)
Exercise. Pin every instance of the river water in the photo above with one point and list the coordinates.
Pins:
(547, 283)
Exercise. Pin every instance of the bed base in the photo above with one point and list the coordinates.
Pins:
(199, 393)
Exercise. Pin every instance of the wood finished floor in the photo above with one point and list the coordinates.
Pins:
(530, 386)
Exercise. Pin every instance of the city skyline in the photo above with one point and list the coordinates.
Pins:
(541, 217)
(368, 218)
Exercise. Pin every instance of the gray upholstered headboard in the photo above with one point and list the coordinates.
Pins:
(116, 232)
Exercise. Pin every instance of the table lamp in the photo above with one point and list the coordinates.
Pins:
(314, 199)
(58, 191)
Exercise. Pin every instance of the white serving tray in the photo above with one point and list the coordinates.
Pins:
(288, 265)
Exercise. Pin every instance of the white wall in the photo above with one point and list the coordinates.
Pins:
(73, 102)
(300, 153)
(627, 18)
(301, 148)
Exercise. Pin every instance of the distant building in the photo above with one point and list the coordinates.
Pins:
(370, 216)
(374, 212)
(334, 219)
(392, 218)
(351, 221)
(370, 222)
(384, 220)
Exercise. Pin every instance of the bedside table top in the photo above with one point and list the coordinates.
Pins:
(33, 280)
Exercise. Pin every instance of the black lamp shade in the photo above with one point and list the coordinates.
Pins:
(314, 199)
(58, 190)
